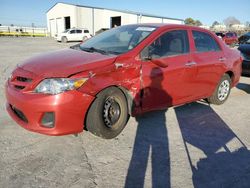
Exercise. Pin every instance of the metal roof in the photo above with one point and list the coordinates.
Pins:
(123, 11)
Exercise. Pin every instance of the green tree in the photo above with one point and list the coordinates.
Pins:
(215, 23)
(198, 23)
(189, 21)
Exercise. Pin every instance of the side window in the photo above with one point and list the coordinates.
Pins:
(86, 31)
(169, 44)
(204, 42)
(72, 31)
(78, 31)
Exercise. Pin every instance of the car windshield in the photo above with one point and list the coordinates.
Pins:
(117, 40)
(66, 31)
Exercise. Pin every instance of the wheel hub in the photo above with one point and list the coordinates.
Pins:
(111, 112)
(223, 90)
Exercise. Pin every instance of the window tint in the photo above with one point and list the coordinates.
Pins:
(204, 42)
(72, 31)
(86, 31)
(169, 44)
(78, 31)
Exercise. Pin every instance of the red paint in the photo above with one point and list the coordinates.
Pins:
(230, 38)
(152, 84)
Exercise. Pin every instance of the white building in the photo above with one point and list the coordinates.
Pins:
(220, 27)
(238, 27)
(205, 26)
(64, 16)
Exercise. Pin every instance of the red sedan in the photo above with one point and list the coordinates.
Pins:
(125, 71)
(230, 38)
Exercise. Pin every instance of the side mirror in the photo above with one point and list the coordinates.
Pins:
(147, 55)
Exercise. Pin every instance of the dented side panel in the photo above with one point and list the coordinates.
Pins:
(124, 73)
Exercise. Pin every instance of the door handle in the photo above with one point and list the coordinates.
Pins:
(222, 59)
(190, 64)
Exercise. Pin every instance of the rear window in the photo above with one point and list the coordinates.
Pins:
(86, 31)
(205, 42)
(229, 34)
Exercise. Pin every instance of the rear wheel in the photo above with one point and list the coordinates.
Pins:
(84, 38)
(64, 39)
(108, 114)
(222, 91)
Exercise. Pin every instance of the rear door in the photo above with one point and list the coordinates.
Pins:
(209, 58)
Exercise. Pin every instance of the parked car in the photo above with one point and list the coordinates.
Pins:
(74, 34)
(220, 35)
(244, 38)
(230, 38)
(245, 52)
(125, 71)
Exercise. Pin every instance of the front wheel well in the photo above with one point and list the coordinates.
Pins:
(231, 75)
(108, 114)
(126, 93)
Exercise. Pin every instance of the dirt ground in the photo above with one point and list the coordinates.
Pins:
(194, 145)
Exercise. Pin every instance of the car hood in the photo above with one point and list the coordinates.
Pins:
(244, 48)
(66, 62)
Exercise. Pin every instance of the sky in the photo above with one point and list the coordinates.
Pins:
(26, 12)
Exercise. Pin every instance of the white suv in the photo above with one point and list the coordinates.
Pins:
(73, 34)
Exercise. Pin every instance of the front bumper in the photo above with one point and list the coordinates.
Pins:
(28, 109)
(58, 38)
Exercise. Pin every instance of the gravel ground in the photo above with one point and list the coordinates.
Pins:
(194, 145)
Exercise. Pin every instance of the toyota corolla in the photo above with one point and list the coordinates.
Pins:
(123, 72)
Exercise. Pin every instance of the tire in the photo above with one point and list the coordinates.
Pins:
(108, 114)
(84, 38)
(64, 39)
(222, 91)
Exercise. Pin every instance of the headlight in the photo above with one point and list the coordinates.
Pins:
(58, 85)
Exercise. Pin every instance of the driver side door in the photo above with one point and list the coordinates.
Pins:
(167, 71)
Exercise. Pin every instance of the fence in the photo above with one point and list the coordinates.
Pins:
(23, 31)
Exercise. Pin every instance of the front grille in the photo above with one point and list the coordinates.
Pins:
(19, 114)
(23, 79)
(19, 87)
(21, 82)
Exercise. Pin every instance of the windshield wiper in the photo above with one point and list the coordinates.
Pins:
(113, 52)
(92, 49)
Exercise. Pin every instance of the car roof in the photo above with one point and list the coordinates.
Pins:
(170, 26)
(79, 28)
